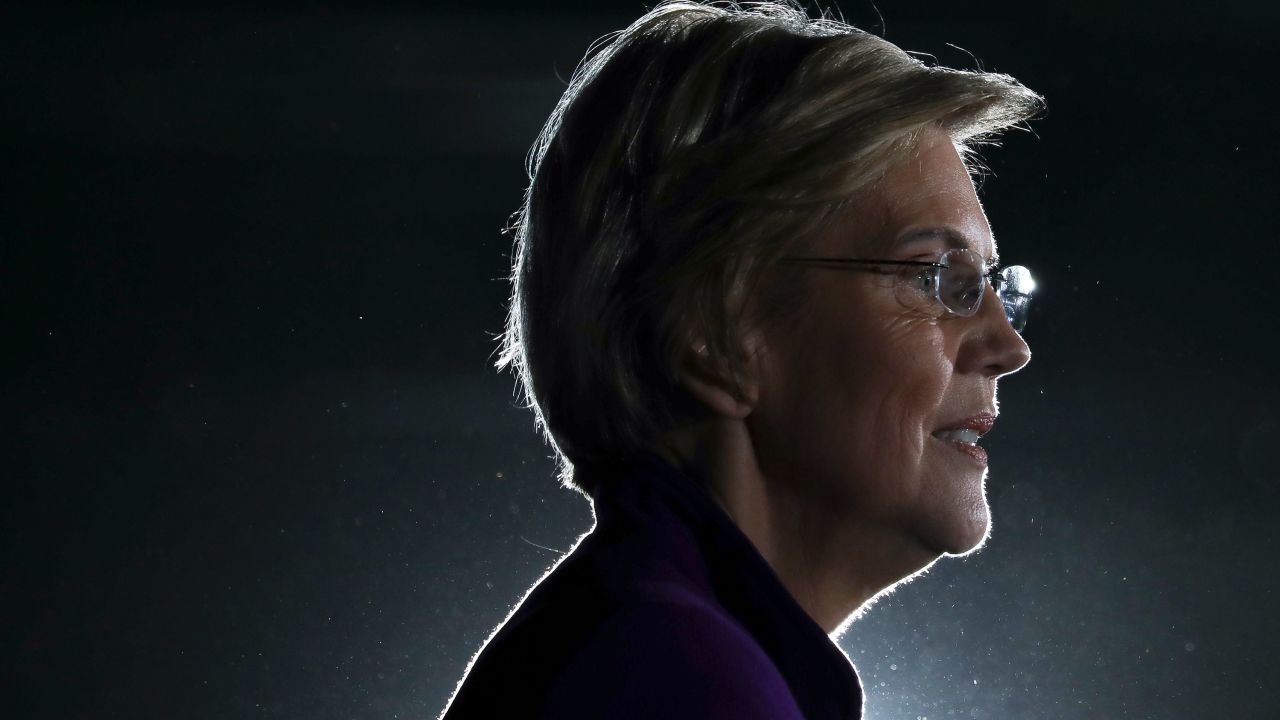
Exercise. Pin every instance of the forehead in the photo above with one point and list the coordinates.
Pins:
(927, 197)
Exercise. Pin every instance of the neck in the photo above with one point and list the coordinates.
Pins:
(831, 566)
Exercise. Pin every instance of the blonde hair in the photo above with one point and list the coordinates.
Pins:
(687, 153)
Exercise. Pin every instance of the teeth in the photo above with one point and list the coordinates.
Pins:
(966, 436)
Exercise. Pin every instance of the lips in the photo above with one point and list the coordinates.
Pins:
(963, 435)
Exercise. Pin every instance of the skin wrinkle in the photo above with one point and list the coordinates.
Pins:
(827, 461)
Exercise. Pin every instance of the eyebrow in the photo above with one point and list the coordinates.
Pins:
(952, 237)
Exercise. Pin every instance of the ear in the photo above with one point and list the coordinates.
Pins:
(709, 380)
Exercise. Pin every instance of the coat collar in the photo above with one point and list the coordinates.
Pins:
(673, 510)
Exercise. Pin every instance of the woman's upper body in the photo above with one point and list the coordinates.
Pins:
(751, 247)
(664, 610)
(709, 591)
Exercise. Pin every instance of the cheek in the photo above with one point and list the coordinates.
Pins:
(850, 406)
(911, 375)
(904, 368)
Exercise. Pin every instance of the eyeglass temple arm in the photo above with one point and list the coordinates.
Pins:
(859, 261)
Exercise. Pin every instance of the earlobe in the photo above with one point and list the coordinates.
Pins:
(710, 380)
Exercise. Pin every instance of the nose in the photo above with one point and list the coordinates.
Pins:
(991, 346)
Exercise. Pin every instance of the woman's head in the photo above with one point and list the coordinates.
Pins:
(856, 402)
(691, 151)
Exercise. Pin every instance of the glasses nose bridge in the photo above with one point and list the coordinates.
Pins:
(954, 287)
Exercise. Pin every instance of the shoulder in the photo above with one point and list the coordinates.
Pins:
(671, 655)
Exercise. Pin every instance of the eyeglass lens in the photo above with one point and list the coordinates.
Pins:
(1015, 289)
(962, 283)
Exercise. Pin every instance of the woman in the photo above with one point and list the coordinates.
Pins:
(754, 312)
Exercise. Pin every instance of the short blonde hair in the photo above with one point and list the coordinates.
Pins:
(687, 153)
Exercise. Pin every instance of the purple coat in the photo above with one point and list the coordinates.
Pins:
(665, 610)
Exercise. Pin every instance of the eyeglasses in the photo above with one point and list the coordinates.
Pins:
(957, 280)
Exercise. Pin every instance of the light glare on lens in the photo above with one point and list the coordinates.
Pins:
(1019, 280)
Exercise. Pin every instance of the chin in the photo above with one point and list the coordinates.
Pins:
(959, 535)
(974, 535)
(970, 547)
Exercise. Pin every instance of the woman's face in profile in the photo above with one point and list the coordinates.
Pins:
(855, 386)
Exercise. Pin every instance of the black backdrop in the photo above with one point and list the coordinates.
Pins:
(258, 464)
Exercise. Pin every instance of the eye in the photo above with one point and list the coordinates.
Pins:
(970, 295)
(922, 279)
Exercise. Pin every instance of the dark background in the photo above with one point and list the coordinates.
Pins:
(257, 462)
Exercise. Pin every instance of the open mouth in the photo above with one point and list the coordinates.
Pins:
(967, 436)
(966, 444)
(963, 436)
